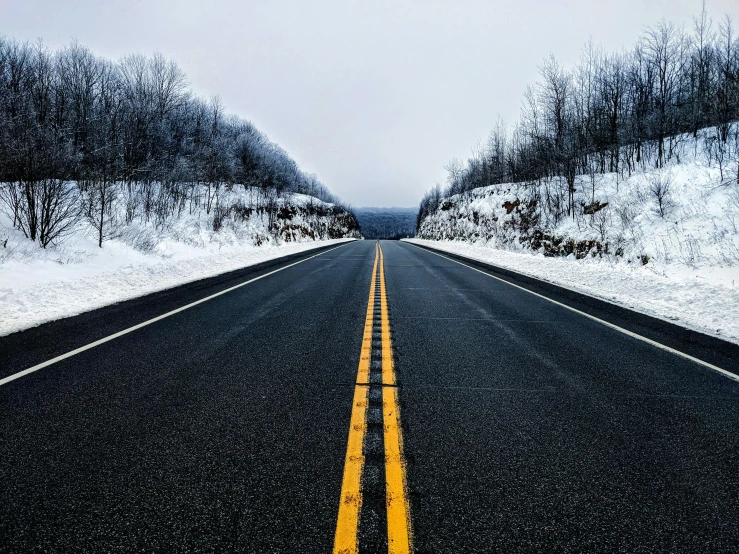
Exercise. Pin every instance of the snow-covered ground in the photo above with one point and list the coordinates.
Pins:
(661, 241)
(39, 285)
(45, 290)
(704, 298)
(698, 225)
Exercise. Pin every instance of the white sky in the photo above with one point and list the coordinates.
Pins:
(373, 96)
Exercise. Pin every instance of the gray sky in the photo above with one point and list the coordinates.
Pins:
(373, 96)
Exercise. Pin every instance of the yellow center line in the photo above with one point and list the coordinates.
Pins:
(388, 371)
(347, 524)
(399, 535)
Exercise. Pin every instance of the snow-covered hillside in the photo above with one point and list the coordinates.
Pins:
(663, 241)
(139, 257)
(684, 213)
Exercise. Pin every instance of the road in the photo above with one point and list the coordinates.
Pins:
(315, 408)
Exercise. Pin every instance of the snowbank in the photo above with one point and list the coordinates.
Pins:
(704, 298)
(34, 292)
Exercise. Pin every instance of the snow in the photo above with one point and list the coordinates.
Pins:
(705, 299)
(700, 226)
(691, 246)
(39, 285)
(34, 293)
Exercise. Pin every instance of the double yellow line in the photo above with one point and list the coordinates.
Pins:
(396, 497)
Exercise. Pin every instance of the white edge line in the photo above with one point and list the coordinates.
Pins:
(724, 372)
(76, 351)
(582, 292)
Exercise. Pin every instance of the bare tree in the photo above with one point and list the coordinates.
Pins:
(662, 44)
(727, 94)
(660, 185)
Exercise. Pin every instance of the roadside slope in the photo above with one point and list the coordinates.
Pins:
(662, 241)
(143, 256)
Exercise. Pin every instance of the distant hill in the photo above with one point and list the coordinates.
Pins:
(387, 223)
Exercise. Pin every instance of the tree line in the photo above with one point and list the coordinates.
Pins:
(80, 130)
(613, 113)
(386, 223)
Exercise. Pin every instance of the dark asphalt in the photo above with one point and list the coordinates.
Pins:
(223, 428)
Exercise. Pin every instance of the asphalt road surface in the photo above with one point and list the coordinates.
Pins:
(522, 426)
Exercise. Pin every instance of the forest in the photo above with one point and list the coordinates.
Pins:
(613, 113)
(386, 223)
(86, 138)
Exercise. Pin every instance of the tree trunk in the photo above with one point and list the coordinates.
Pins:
(102, 217)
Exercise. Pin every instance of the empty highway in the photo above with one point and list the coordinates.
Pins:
(373, 397)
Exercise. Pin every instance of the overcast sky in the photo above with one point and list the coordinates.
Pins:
(373, 96)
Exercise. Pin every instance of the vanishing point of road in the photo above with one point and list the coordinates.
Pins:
(374, 397)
